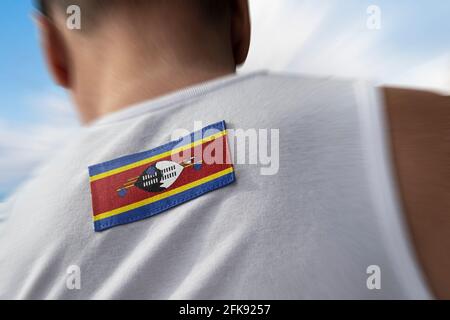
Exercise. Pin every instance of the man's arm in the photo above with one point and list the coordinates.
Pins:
(419, 124)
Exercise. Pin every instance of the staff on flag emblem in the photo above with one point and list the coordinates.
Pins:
(139, 186)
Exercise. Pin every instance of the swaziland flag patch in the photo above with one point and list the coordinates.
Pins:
(139, 186)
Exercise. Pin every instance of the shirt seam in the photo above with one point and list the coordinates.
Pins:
(180, 97)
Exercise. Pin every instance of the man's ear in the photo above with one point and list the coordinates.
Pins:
(54, 50)
(240, 30)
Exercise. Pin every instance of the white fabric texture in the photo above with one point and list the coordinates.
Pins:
(308, 232)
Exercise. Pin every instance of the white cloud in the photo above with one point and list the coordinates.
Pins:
(280, 28)
(311, 37)
(52, 107)
(433, 74)
(24, 146)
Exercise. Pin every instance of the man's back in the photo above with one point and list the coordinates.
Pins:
(310, 227)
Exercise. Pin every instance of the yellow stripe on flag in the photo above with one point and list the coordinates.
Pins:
(163, 195)
(157, 157)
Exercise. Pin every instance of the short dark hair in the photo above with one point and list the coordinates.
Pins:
(41, 6)
(212, 8)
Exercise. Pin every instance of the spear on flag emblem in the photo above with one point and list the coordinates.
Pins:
(159, 177)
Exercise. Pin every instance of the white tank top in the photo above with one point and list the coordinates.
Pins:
(326, 225)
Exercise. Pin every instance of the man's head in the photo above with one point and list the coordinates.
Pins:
(123, 42)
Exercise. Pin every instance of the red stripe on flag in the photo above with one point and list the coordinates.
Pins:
(104, 191)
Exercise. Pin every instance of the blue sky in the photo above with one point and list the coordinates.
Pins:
(330, 37)
(22, 68)
(35, 115)
(325, 37)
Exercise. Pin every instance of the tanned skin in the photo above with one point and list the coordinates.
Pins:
(419, 124)
(105, 72)
(131, 52)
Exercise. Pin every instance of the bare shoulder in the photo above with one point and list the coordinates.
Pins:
(419, 125)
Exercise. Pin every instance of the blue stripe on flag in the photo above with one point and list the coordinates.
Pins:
(126, 160)
(162, 205)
